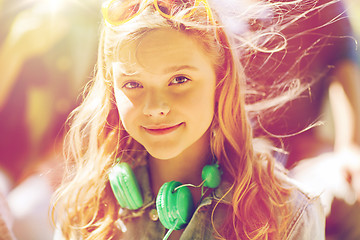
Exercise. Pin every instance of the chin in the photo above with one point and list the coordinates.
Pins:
(164, 154)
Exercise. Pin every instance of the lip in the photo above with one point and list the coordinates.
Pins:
(161, 129)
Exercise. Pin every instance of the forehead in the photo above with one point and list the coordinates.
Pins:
(162, 47)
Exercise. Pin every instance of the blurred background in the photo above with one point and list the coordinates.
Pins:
(48, 50)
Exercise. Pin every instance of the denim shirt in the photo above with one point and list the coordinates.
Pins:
(307, 218)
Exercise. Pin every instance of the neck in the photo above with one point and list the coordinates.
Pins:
(185, 168)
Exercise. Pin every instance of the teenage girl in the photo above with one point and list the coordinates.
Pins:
(162, 146)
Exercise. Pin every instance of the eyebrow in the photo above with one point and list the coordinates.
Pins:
(179, 68)
(166, 70)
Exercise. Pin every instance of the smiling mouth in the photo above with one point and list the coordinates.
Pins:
(161, 130)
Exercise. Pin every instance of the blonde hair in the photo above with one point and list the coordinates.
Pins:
(85, 204)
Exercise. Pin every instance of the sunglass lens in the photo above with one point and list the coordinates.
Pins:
(122, 10)
(173, 7)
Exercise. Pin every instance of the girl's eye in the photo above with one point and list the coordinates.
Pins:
(179, 80)
(132, 85)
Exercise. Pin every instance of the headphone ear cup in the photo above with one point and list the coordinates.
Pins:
(125, 186)
(211, 174)
(174, 205)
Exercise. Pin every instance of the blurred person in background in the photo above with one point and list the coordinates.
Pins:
(326, 158)
(44, 63)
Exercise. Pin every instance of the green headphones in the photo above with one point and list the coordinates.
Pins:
(174, 202)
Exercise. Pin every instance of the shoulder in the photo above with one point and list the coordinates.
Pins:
(307, 218)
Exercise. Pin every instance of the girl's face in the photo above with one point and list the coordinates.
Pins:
(164, 88)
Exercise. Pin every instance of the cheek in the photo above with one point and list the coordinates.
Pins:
(198, 107)
(201, 102)
(125, 106)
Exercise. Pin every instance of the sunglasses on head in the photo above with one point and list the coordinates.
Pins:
(117, 12)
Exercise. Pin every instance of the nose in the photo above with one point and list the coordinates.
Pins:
(155, 105)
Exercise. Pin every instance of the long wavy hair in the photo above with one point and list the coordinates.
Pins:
(85, 206)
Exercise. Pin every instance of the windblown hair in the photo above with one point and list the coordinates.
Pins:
(84, 204)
